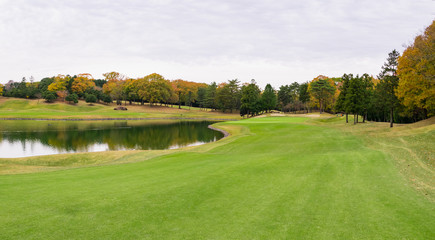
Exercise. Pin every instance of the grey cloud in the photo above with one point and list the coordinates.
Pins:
(42, 34)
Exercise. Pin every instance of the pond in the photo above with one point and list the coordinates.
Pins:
(33, 138)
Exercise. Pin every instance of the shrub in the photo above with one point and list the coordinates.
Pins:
(90, 98)
(106, 98)
(72, 98)
(49, 96)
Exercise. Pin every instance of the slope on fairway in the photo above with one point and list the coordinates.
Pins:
(283, 179)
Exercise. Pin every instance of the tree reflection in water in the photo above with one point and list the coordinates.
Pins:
(115, 135)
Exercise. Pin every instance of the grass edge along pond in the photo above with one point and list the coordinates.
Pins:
(274, 178)
(14, 108)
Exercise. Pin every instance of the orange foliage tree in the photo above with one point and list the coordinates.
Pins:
(416, 71)
(82, 82)
(114, 86)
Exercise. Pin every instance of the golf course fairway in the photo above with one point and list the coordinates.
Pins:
(273, 178)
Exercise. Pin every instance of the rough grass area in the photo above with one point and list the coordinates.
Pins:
(274, 178)
(22, 108)
(410, 147)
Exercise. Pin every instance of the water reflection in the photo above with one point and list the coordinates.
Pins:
(31, 138)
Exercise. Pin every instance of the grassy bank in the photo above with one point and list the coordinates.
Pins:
(274, 178)
(22, 108)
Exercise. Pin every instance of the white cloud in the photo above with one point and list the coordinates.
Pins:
(271, 41)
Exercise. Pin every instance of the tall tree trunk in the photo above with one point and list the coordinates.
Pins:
(346, 118)
(391, 118)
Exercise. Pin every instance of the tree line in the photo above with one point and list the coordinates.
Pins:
(402, 92)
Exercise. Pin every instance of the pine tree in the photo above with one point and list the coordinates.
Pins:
(389, 82)
(210, 96)
(341, 100)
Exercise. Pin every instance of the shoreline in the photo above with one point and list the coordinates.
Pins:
(226, 134)
(113, 119)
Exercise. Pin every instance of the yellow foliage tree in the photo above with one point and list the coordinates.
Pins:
(416, 70)
(1, 89)
(158, 88)
(326, 101)
(115, 86)
(82, 82)
(59, 85)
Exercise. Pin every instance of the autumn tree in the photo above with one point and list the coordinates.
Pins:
(130, 90)
(140, 87)
(158, 89)
(179, 87)
(114, 86)
(416, 71)
(59, 85)
(81, 83)
(322, 89)
(186, 91)
(1, 89)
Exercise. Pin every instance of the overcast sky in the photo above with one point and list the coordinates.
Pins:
(277, 42)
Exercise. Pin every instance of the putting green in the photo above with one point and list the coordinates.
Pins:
(275, 178)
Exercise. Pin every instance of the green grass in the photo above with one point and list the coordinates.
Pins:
(22, 108)
(274, 178)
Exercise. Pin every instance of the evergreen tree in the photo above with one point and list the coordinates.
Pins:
(340, 104)
(72, 98)
(268, 98)
(250, 99)
(367, 92)
(358, 95)
(90, 98)
(49, 96)
(45, 82)
(201, 96)
(388, 83)
(284, 96)
(224, 99)
(210, 96)
(304, 95)
(234, 88)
